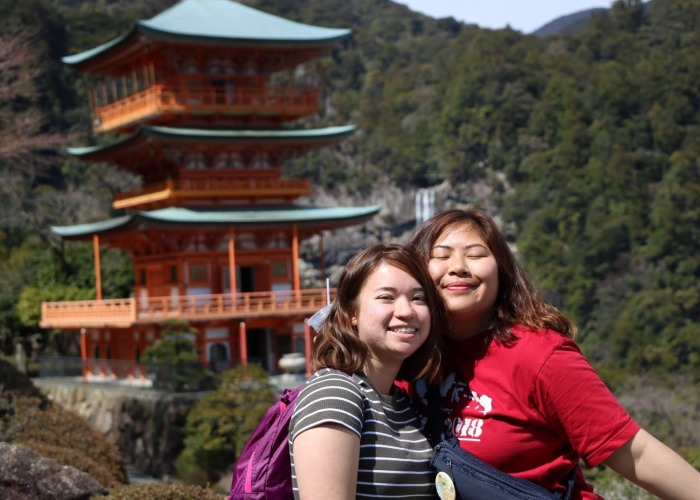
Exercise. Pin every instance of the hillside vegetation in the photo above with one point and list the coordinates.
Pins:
(590, 142)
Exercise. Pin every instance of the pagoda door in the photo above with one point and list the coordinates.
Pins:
(246, 279)
(258, 341)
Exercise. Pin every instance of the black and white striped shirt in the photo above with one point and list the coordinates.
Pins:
(394, 454)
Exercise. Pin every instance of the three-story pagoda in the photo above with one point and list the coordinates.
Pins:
(215, 229)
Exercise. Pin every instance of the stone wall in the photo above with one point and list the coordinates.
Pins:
(146, 425)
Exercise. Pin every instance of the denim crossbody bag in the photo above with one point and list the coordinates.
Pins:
(463, 476)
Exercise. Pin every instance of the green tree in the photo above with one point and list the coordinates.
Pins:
(219, 425)
(174, 359)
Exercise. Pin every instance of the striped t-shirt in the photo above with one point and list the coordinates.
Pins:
(394, 454)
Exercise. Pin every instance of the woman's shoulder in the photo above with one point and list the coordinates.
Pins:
(329, 379)
(329, 396)
(531, 350)
(540, 338)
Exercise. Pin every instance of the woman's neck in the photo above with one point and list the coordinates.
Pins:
(467, 327)
(381, 375)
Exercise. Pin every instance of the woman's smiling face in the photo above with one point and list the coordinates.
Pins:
(392, 315)
(466, 274)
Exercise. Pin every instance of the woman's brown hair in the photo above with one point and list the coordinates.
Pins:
(518, 301)
(338, 346)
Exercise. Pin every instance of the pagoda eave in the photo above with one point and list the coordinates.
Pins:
(211, 23)
(147, 136)
(212, 219)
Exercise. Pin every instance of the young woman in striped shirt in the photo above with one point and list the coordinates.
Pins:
(353, 433)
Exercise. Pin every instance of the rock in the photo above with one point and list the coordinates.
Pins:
(25, 474)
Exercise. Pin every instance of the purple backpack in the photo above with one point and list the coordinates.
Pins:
(263, 470)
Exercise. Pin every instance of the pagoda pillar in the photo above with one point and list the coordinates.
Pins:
(232, 264)
(98, 271)
(243, 343)
(295, 256)
(83, 353)
(322, 257)
(307, 346)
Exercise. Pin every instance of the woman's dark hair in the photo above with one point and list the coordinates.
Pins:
(338, 346)
(518, 301)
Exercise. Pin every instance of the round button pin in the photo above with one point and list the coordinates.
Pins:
(445, 487)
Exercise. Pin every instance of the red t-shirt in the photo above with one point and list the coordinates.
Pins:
(532, 409)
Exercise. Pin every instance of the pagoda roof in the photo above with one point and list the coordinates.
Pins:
(268, 137)
(200, 218)
(218, 21)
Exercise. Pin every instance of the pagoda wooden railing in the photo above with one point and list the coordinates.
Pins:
(159, 99)
(184, 189)
(127, 312)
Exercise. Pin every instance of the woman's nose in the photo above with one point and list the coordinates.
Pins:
(404, 309)
(458, 266)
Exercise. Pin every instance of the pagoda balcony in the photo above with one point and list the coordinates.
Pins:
(123, 313)
(183, 190)
(162, 104)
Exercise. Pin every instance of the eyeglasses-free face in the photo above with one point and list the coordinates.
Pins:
(466, 274)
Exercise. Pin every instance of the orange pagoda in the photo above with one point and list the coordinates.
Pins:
(215, 229)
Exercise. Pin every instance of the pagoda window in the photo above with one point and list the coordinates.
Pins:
(142, 276)
(198, 272)
(228, 65)
(193, 90)
(195, 161)
(237, 160)
(278, 241)
(173, 154)
(279, 268)
(225, 279)
(222, 161)
(246, 242)
(231, 91)
(190, 66)
(173, 274)
(261, 161)
(137, 354)
(214, 65)
(249, 69)
(96, 352)
(299, 344)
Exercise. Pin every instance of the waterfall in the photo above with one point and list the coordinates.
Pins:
(424, 204)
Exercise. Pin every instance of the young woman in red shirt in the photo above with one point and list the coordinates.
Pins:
(520, 395)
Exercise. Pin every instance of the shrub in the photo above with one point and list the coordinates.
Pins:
(28, 417)
(220, 423)
(65, 437)
(19, 384)
(161, 492)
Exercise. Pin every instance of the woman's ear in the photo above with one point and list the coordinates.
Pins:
(353, 316)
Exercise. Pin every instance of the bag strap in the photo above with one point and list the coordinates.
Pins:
(435, 426)
(570, 480)
(434, 416)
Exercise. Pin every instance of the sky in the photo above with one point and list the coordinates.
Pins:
(522, 15)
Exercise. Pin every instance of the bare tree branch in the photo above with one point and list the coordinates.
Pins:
(21, 139)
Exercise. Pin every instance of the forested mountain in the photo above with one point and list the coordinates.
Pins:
(590, 142)
(570, 24)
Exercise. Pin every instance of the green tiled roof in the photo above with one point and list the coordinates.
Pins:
(228, 136)
(212, 217)
(221, 21)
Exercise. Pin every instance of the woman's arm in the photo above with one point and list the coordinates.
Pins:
(326, 459)
(649, 463)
